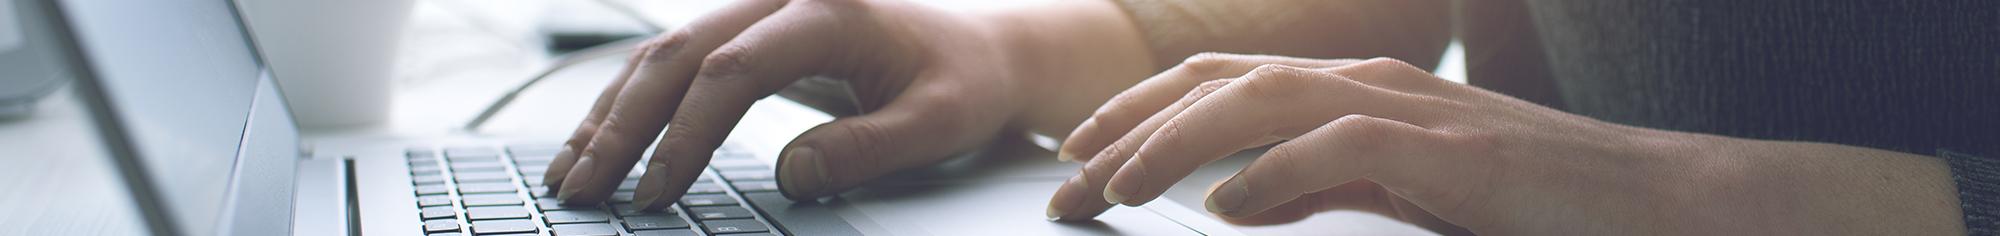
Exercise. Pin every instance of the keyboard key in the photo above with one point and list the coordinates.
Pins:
(495, 212)
(474, 166)
(471, 188)
(502, 226)
(441, 225)
(434, 200)
(539, 191)
(756, 186)
(428, 189)
(695, 200)
(654, 222)
(492, 199)
(472, 158)
(427, 179)
(627, 209)
(439, 212)
(471, 151)
(593, 229)
(734, 175)
(811, 216)
(419, 153)
(546, 149)
(425, 170)
(670, 232)
(574, 216)
(488, 176)
(704, 188)
(719, 212)
(620, 197)
(444, 234)
(734, 226)
(423, 162)
(628, 185)
(533, 169)
(532, 180)
(547, 204)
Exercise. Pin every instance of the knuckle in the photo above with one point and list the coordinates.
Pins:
(662, 48)
(1207, 62)
(1385, 62)
(1359, 134)
(725, 62)
(1275, 82)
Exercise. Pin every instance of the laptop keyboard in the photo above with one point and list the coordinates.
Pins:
(496, 191)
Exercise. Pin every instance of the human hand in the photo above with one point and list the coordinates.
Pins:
(926, 84)
(1385, 137)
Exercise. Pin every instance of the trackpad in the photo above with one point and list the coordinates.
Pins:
(986, 208)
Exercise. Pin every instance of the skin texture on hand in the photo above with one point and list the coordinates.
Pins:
(1380, 135)
(924, 82)
(921, 98)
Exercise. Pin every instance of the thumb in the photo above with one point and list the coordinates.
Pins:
(917, 129)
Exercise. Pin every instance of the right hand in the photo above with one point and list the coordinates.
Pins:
(926, 84)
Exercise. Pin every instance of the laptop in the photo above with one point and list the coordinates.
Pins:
(202, 136)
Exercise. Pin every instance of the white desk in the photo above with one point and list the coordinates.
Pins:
(56, 177)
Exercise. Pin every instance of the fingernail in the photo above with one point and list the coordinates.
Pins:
(650, 184)
(1067, 197)
(1228, 197)
(587, 163)
(551, 179)
(1118, 193)
(1064, 153)
(807, 175)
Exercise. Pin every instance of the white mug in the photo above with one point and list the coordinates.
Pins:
(332, 59)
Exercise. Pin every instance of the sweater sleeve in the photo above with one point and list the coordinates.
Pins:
(1978, 180)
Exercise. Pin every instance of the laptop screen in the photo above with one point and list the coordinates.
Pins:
(181, 78)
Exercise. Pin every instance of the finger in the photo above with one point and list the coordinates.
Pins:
(1272, 100)
(1388, 152)
(649, 98)
(1360, 195)
(917, 129)
(771, 54)
(566, 159)
(1124, 111)
(1081, 197)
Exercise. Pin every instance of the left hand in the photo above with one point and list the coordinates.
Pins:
(1383, 136)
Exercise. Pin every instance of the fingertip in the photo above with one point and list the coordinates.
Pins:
(556, 172)
(581, 171)
(1227, 198)
(1067, 199)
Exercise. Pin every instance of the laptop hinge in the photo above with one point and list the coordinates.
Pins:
(323, 202)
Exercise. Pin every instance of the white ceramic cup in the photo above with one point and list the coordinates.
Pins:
(332, 59)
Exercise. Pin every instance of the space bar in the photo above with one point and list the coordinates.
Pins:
(810, 217)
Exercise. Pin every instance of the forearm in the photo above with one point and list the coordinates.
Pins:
(1415, 31)
(1900, 193)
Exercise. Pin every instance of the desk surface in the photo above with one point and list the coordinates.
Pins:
(58, 179)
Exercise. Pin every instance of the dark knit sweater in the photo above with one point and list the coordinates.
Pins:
(1915, 76)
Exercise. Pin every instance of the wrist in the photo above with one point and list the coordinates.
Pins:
(1069, 57)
